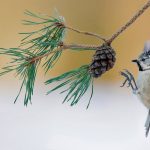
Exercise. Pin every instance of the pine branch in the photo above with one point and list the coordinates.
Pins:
(47, 44)
(63, 47)
(129, 23)
(87, 33)
(120, 30)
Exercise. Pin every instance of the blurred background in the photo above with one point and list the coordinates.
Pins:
(115, 118)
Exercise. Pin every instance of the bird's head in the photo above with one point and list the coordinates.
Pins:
(143, 60)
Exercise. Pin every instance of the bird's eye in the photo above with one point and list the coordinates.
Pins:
(143, 59)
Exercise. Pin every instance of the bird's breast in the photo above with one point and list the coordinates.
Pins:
(143, 84)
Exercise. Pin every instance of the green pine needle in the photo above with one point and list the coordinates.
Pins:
(52, 60)
(78, 80)
(29, 75)
(25, 69)
(47, 37)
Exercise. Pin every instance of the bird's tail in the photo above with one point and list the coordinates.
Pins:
(147, 124)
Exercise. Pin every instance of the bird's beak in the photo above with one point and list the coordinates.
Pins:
(135, 60)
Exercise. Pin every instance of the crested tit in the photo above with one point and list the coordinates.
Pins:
(141, 86)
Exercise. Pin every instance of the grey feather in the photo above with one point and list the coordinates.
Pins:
(147, 46)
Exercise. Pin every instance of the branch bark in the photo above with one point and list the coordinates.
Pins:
(118, 32)
(87, 33)
(130, 22)
(65, 47)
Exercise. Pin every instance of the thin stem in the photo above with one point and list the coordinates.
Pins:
(77, 46)
(86, 33)
(64, 47)
(130, 22)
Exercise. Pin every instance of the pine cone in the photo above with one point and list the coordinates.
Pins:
(103, 60)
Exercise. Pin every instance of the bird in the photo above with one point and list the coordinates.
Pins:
(141, 86)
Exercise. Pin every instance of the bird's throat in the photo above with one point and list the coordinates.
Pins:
(139, 66)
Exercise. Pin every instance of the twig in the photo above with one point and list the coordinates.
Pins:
(87, 33)
(118, 32)
(130, 22)
(77, 46)
(64, 47)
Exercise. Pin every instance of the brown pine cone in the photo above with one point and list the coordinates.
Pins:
(103, 60)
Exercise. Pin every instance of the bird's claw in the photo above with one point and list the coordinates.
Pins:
(129, 79)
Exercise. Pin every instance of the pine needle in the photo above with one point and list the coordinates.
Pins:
(51, 32)
(46, 39)
(78, 80)
(24, 69)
